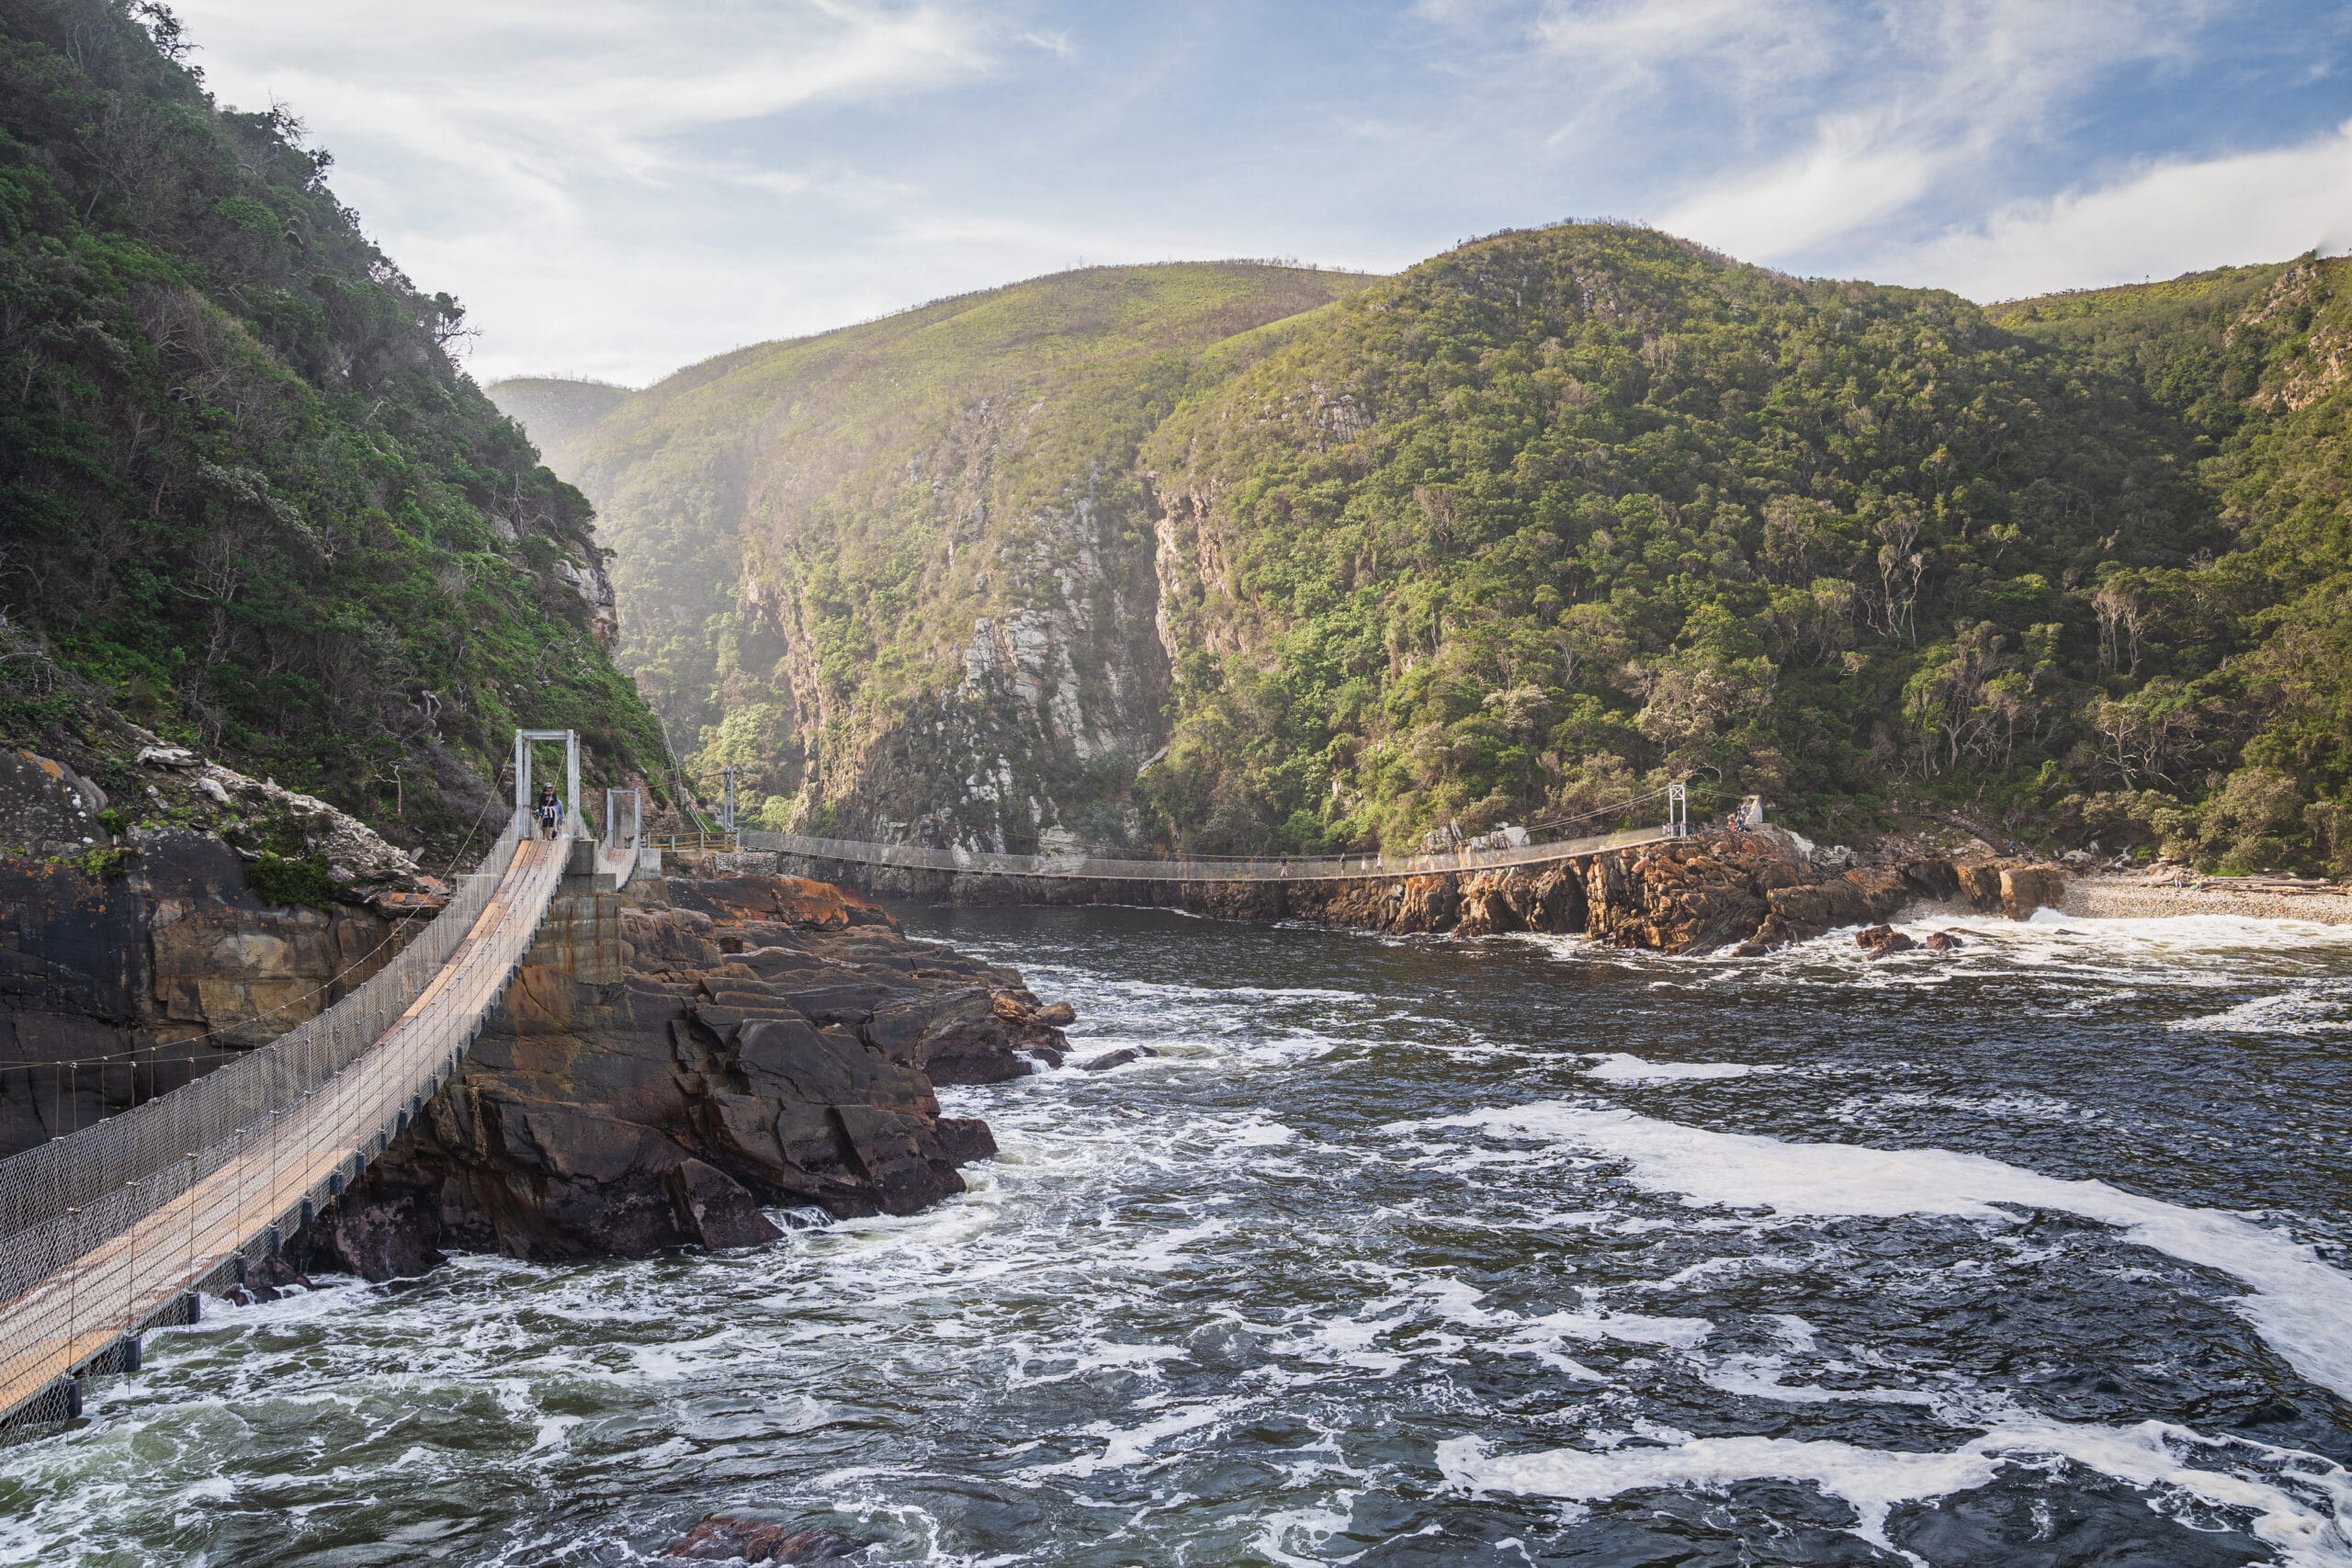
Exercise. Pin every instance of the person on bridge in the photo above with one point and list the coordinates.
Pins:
(550, 809)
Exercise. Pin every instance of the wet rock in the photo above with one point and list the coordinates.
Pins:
(1118, 1059)
(673, 1059)
(1880, 941)
(754, 1537)
(267, 1277)
(966, 1139)
(1943, 941)
(2025, 888)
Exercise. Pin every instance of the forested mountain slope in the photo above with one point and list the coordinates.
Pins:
(1537, 523)
(901, 573)
(2239, 666)
(246, 499)
(553, 409)
(1568, 511)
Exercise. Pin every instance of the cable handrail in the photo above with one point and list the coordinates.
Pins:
(1078, 866)
(108, 1229)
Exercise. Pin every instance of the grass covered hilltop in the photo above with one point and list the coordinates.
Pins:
(1252, 559)
(246, 499)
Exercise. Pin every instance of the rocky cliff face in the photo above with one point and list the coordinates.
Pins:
(673, 1060)
(901, 575)
(136, 956)
(668, 1061)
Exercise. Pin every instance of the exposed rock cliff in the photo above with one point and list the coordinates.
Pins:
(672, 1059)
(901, 575)
(135, 948)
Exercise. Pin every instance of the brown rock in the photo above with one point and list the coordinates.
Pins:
(749, 1538)
(1118, 1059)
(2025, 888)
(1980, 883)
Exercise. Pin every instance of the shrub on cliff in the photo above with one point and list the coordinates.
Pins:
(246, 498)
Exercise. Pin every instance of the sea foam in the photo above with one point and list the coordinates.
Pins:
(2299, 1305)
(2154, 1455)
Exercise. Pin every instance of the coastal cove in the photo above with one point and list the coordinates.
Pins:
(1404, 1250)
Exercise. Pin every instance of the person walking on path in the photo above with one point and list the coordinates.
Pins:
(550, 809)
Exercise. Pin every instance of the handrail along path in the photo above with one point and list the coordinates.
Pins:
(113, 1229)
(1296, 868)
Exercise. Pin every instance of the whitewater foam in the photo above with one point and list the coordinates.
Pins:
(2299, 1305)
(1617, 1067)
(1874, 1482)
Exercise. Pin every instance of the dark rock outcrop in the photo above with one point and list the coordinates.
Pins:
(148, 959)
(673, 1059)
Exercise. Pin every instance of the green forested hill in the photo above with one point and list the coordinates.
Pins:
(246, 499)
(553, 409)
(903, 570)
(2238, 722)
(1566, 510)
(1542, 521)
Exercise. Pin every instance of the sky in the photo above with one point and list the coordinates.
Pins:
(618, 188)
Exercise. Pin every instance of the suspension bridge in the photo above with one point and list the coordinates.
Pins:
(123, 1225)
(1083, 866)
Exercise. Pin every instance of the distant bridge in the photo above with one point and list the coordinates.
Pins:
(1084, 866)
(114, 1229)
(1081, 867)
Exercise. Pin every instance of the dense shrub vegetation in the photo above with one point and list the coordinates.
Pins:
(246, 499)
(1565, 513)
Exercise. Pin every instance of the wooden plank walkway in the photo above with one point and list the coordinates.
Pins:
(141, 1273)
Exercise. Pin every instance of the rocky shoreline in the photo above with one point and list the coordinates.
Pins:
(674, 1060)
(1746, 892)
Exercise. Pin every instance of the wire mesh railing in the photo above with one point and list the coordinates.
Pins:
(108, 1229)
(1085, 867)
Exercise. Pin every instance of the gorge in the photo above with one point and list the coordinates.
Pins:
(1938, 1163)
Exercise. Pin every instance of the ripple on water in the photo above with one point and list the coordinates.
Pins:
(1425, 1252)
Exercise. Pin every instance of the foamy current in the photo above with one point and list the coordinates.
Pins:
(1406, 1252)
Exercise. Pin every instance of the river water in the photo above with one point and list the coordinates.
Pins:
(1406, 1252)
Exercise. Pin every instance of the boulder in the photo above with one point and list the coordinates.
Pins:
(2025, 888)
(673, 1060)
(748, 1537)
(1118, 1059)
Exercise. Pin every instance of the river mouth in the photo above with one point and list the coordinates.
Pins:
(1405, 1251)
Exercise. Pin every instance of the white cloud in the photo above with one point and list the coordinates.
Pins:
(2170, 218)
(598, 181)
(1849, 176)
(620, 186)
(1828, 120)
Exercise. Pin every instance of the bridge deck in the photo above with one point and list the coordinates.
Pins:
(137, 1274)
(1296, 868)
